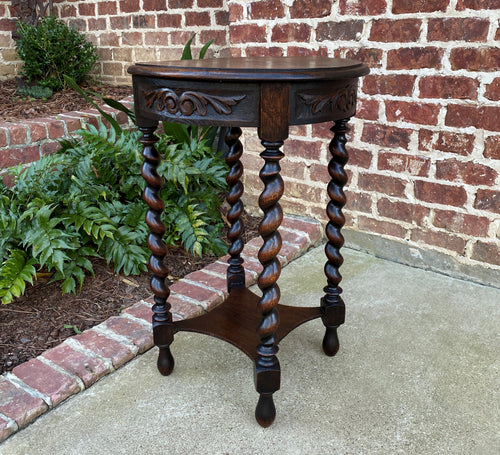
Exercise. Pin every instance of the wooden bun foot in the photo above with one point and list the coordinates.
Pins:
(165, 361)
(265, 412)
(331, 342)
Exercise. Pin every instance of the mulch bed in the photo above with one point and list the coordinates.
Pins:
(42, 317)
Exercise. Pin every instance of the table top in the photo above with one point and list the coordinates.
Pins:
(254, 69)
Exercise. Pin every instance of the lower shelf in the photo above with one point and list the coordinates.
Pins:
(237, 319)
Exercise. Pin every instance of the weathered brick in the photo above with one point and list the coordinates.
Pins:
(169, 20)
(458, 29)
(310, 8)
(132, 38)
(407, 164)
(19, 405)
(86, 9)
(386, 136)
(492, 147)
(360, 157)
(210, 3)
(251, 33)
(15, 156)
(460, 144)
(18, 134)
(88, 369)
(477, 4)
(284, 33)
(420, 113)
(311, 228)
(271, 9)
(487, 117)
(156, 38)
(465, 172)
(197, 18)
(475, 59)
(107, 8)
(367, 109)
(222, 17)
(448, 87)
(155, 5)
(339, 31)
(3, 137)
(143, 21)
(235, 12)
(414, 58)
(298, 51)
(207, 298)
(369, 56)
(384, 184)
(184, 4)
(418, 6)
(487, 200)
(440, 239)
(476, 226)
(410, 213)
(492, 91)
(55, 128)
(359, 202)
(438, 193)
(381, 227)
(6, 428)
(138, 334)
(263, 51)
(129, 6)
(402, 30)
(363, 7)
(46, 380)
(105, 347)
(304, 149)
(200, 276)
(486, 252)
(394, 84)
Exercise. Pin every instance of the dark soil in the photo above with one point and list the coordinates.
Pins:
(42, 317)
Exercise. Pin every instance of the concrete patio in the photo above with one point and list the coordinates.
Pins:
(417, 373)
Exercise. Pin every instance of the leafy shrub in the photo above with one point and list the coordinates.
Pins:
(34, 91)
(51, 50)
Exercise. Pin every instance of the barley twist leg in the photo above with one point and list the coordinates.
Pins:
(333, 308)
(163, 332)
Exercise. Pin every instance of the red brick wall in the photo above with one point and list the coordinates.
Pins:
(425, 144)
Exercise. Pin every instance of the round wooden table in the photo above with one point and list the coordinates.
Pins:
(270, 93)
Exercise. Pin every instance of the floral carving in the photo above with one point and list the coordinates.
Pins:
(189, 102)
(342, 100)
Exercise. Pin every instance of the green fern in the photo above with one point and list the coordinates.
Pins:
(15, 272)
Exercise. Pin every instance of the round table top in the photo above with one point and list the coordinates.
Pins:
(258, 69)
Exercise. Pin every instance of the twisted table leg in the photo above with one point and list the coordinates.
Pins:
(235, 271)
(163, 332)
(333, 308)
(267, 368)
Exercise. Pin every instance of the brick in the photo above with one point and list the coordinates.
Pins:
(448, 87)
(19, 405)
(109, 39)
(197, 18)
(46, 380)
(235, 12)
(132, 38)
(248, 33)
(477, 4)
(183, 4)
(88, 369)
(395, 84)
(15, 156)
(105, 347)
(363, 7)
(49, 147)
(86, 9)
(155, 5)
(414, 58)
(7, 427)
(360, 157)
(210, 3)
(458, 29)
(460, 144)
(486, 252)
(418, 6)
(129, 6)
(339, 31)
(475, 59)
(299, 239)
(140, 310)
(143, 21)
(298, 51)
(18, 134)
(304, 149)
(487, 200)
(487, 117)
(369, 56)
(420, 113)
(207, 279)
(207, 298)
(119, 23)
(271, 9)
(402, 30)
(284, 33)
(137, 333)
(385, 136)
(222, 18)
(440, 239)
(465, 172)
(107, 8)
(359, 202)
(310, 8)
(410, 213)
(219, 36)
(367, 109)
(407, 164)
(390, 186)
(311, 228)
(492, 147)
(381, 227)
(492, 91)
(440, 194)
(169, 20)
(156, 38)
(476, 226)
(3, 137)
(302, 190)
(263, 51)
(55, 129)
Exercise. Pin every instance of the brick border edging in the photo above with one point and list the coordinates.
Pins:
(36, 386)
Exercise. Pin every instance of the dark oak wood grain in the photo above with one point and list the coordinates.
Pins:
(269, 93)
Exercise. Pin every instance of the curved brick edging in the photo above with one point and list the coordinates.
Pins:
(27, 141)
(40, 384)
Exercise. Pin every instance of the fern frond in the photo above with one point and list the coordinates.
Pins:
(15, 271)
